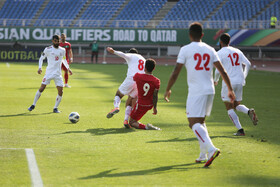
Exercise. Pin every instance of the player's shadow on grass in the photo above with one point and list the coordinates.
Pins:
(24, 114)
(188, 139)
(102, 131)
(153, 171)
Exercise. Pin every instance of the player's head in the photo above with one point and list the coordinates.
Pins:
(224, 39)
(133, 50)
(195, 31)
(55, 41)
(150, 65)
(63, 37)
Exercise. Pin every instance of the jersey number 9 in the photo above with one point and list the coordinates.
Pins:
(146, 89)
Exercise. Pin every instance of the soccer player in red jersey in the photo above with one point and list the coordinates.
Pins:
(148, 86)
(69, 53)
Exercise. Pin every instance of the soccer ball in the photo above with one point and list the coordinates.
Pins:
(74, 117)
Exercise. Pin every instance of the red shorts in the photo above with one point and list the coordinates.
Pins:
(139, 111)
(63, 67)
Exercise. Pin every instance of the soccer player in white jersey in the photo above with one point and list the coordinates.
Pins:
(136, 64)
(56, 56)
(233, 60)
(199, 58)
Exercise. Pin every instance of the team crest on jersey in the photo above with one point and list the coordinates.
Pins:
(56, 58)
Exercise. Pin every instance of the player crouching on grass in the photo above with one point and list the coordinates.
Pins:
(56, 56)
(148, 86)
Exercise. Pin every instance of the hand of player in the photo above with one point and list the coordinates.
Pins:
(71, 60)
(215, 83)
(231, 95)
(110, 50)
(167, 95)
(155, 111)
(70, 71)
(39, 71)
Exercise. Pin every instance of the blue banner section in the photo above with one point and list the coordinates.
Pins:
(20, 54)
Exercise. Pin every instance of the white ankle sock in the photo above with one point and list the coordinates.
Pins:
(117, 102)
(202, 135)
(37, 96)
(242, 108)
(57, 101)
(234, 118)
(127, 112)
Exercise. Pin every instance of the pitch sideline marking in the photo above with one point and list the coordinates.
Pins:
(33, 168)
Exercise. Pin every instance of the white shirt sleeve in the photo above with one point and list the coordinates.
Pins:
(43, 56)
(247, 64)
(122, 55)
(181, 57)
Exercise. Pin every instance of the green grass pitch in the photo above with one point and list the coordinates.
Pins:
(99, 152)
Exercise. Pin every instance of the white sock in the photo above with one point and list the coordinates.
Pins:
(117, 102)
(242, 108)
(204, 125)
(57, 101)
(37, 96)
(127, 112)
(234, 118)
(202, 135)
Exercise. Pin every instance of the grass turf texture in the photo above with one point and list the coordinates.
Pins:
(98, 151)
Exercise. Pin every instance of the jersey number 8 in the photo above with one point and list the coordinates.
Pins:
(141, 65)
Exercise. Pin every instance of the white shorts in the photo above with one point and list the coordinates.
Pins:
(238, 90)
(128, 87)
(199, 106)
(57, 79)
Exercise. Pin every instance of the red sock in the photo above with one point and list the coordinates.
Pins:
(66, 77)
(142, 126)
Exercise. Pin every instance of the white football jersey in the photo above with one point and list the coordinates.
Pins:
(55, 56)
(232, 60)
(135, 62)
(198, 58)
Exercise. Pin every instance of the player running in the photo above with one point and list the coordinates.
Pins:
(55, 56)
(199, 58)
(232, 60)
(69, 53)
(147, 86)
(135, 64)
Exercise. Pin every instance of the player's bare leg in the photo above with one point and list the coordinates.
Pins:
(234, 118)
(117, 102)
(197, 125)
(37, 96)
(58, 99)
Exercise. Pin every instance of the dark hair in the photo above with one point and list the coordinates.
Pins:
(133, 50)
(55, 37)
(150, 65)
(225, 38)
(195, 30)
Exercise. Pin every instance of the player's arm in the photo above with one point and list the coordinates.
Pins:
(155, 100)
(247, 64)
(66, 65)
(172, 80)
(41, 60)
(118, 53)
(71, 54)
(216, 77)
(225, 77)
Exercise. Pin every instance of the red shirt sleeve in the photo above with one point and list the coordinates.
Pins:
(157, 84)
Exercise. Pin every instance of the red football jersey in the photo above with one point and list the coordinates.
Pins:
(67, 47)
(146, 85)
